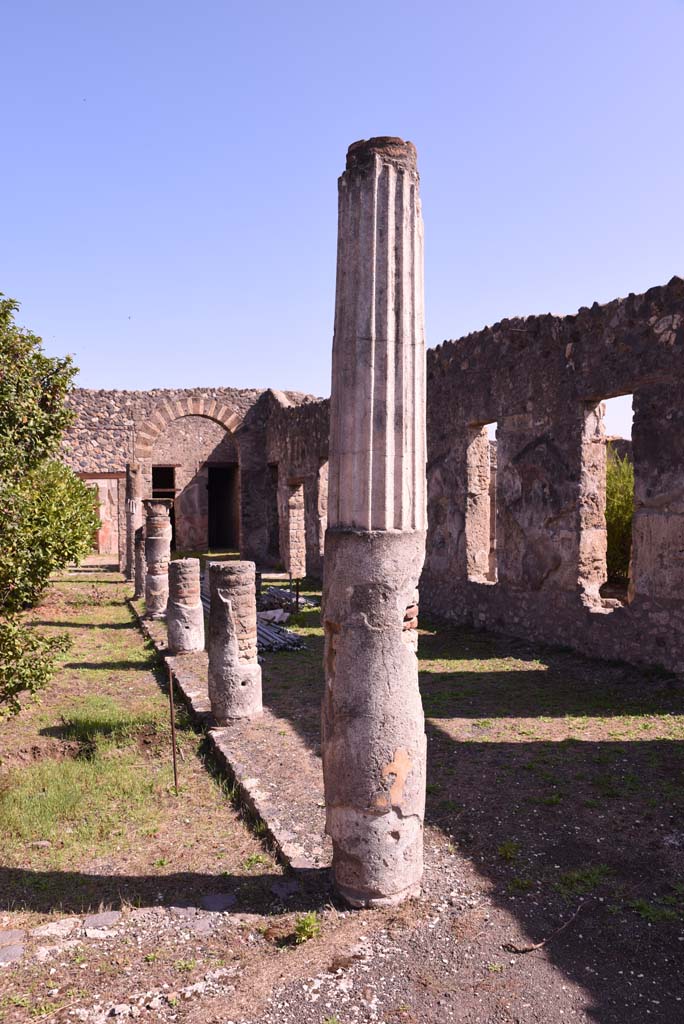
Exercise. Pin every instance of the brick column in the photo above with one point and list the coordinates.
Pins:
(157, 556)
(234, 672)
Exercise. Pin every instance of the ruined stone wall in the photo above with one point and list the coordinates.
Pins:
(111, 425)
(297, 443)
(191, 444)
(542, 380)
(188, 428)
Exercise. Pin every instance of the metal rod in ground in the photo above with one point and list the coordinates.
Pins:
(291, 591)
(297, 584)
(173, 730)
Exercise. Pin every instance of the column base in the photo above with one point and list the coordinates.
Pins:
(359, 901)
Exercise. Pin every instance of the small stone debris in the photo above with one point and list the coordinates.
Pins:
(12, 936)
(277, 615)
(120, 1010)
(270, 636)
(103, 920)
(100, 933)
(10, 954)
(56, 929)
(43, 953)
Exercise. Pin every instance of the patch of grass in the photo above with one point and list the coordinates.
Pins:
(78, 802)
(518, 886)
(185, 966)
(508, 850)
(655, 912)
(97, 719)
(582, 881)
(307, 926)
(253, 860)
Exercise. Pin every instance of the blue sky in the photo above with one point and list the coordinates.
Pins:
(169, 172)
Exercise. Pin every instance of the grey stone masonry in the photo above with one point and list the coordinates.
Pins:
(373, 742)
(234, 679)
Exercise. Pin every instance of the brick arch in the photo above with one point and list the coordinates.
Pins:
(169, 410)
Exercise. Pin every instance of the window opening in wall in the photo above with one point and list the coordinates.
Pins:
(619, 484)
(272, 514)
(480, 520)
(163, 482)
(607, 505)
(164, 486)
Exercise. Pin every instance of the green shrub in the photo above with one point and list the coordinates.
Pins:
(47, 519)
(33, 386)
(47, 515)
(27, 662)
(619, 514)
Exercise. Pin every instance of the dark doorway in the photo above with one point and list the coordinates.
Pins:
(164, 486)
(223, 508)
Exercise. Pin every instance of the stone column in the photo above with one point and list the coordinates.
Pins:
(234, 672)
(134, 514)
(157, 556)
(373, 740)
(184, 612)
(140, 566)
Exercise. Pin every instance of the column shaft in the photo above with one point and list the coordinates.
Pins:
(234, 675)
(373, 730)
(157, 556)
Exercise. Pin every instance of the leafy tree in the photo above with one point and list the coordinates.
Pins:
(47, 520)
(619, 513)
(47, 515)
(33, 386)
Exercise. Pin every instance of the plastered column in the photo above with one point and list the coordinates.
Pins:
(234, 672)
(373, 730)
(134, 514)
(157, 556)
(184, 612)
(140, 566)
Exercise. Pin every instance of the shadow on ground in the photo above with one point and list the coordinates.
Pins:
(562, 780)
(73, 892)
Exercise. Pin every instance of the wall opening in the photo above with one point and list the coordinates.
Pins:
(164, 486)
(223, 508)
(272, 520)
(480, 518)
(164, 482)
(619, 507)
(607, 501)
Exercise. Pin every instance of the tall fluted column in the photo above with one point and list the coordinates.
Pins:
(157, 556)
(234, 674)
(373, 730)
(184, 612)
